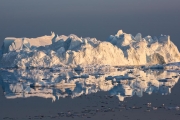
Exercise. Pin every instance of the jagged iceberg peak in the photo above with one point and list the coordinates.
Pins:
(164, 39)
(138, 37)
(53, 34)
(120, 32)
(128, 39)
(71, 50)
(16, 44)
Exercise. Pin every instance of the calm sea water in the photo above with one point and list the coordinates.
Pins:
(127, 94)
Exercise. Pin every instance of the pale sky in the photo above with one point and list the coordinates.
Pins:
(93, 18)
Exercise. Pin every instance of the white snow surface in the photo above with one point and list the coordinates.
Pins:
(119, 50)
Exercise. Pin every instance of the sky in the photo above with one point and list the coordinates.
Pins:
(93, 18)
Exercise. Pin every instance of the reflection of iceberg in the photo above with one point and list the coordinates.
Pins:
(48, 84)
(148, 82)
(16, 83)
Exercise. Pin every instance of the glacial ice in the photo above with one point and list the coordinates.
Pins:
(119, 50)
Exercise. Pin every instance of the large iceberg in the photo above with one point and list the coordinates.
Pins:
(119, 50)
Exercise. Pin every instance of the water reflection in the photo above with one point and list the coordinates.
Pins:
(123, 83)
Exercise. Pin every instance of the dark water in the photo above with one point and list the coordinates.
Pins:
(125, 94)
(89, 18)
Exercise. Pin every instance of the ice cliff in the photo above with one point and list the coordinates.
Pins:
(119, 49)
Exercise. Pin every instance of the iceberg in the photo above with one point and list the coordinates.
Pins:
(121, 49)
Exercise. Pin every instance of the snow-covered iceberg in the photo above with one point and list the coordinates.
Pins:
(119, 50)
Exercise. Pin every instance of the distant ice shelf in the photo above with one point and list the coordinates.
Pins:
(121, 49)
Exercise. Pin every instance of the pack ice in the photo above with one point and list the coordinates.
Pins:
(120, 49)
